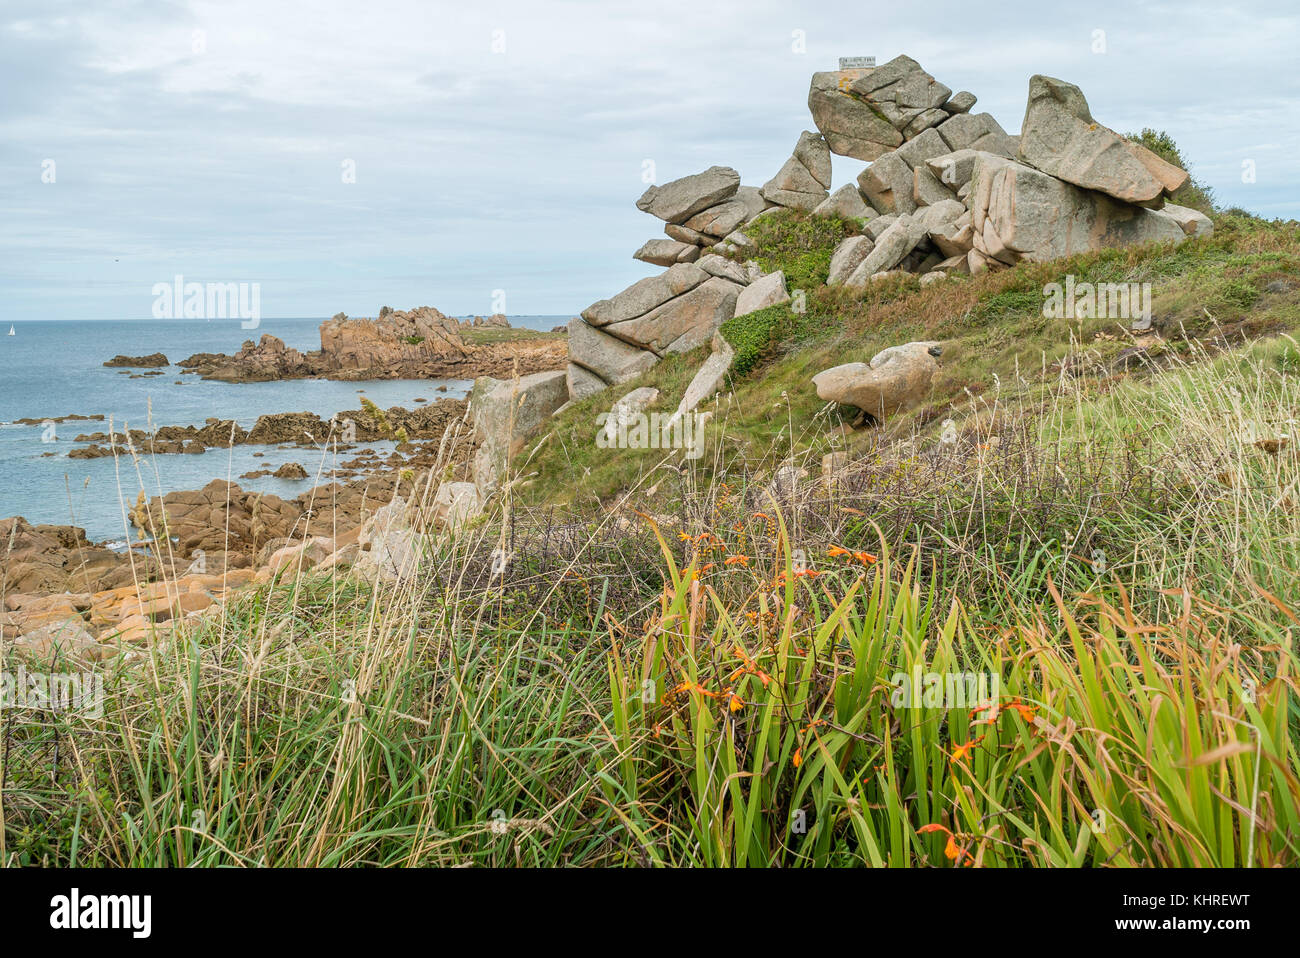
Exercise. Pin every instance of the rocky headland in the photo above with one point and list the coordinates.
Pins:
(421, 343)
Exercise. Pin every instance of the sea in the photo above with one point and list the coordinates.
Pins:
(50, 369)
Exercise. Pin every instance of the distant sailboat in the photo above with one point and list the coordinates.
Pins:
(11, 330)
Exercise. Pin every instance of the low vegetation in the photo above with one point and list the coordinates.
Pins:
(773, 654)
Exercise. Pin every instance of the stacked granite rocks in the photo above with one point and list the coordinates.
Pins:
(947, 191)
(950, 191)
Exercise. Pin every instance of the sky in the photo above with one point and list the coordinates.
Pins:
(487, 157)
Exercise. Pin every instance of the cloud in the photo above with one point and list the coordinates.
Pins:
(500, 145)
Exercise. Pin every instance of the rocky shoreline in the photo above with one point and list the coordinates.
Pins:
(304, 429)
(59, 591)
(421, 343)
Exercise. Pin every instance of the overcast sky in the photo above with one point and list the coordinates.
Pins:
(500, 145)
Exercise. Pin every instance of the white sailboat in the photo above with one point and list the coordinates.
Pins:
(11, 330)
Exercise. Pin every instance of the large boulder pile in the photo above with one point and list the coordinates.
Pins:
(868, 112)
(397, 339)
(946, 191)
(618, 339)
(949, 191)
(679, 310)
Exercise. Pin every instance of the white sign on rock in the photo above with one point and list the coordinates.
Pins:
(857, 63)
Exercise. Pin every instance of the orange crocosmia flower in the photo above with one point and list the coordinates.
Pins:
(950, 850)
(810, 573)
(835, 551)
(737, 560)
(798, 757)
(735, 703)
(961, 751)
(682, 536)
(992, 708)
(866, 558)
(1027, 712)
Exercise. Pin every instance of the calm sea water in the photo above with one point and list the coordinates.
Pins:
(52, 369)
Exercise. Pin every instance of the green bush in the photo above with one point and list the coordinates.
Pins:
(751, 335)
(1193, 193)
(799, 244)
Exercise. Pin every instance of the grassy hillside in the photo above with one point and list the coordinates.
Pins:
(694, 662)
(1240, 284)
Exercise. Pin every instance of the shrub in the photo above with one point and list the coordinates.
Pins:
(1193, 193)
(752, 334)
(799, 244)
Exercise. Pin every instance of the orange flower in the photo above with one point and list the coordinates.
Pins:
(735, 703)
(798, 757)
(836, 551)
(682, 536)
(866, 558)
(950, 850)
(737, 560)
(1027, 712)
(961, 751)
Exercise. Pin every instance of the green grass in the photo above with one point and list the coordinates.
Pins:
(797, 243)
(998, 348)
(483, 335)
(688, 664)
